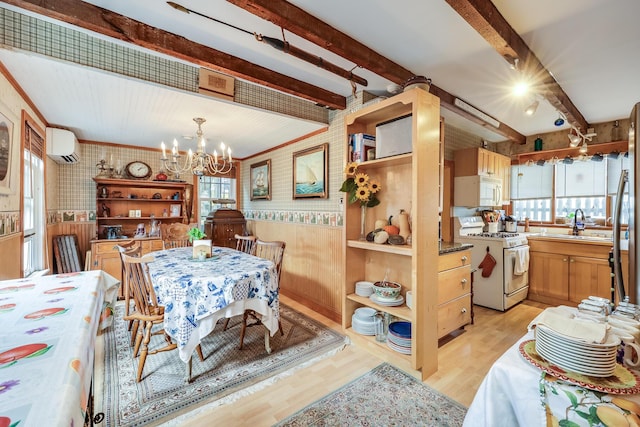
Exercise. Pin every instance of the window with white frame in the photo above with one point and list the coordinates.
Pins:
(33, 205)
(551, 192)
(214, 193)
(532, 191)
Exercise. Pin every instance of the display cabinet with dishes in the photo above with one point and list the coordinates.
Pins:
(122, 205)
(406, 154)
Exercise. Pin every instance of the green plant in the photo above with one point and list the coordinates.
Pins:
(196, 234)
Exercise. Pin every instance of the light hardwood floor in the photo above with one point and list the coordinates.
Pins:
(463, 362)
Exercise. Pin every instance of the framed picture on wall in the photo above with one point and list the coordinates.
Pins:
(310, 172)
(6, 150)
(260, 179)
(174, 209)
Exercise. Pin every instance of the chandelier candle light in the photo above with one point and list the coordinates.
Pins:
(199, 163)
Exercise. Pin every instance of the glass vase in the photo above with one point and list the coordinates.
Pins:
(363, 218)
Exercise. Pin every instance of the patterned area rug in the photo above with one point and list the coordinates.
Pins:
(384, 396)
(226, 374)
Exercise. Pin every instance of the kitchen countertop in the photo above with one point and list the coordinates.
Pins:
(448, 247)
(583, 239)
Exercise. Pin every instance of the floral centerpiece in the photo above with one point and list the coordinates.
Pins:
(360, 188)
(201, 247)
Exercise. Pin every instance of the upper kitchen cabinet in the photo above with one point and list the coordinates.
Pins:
(479, 161)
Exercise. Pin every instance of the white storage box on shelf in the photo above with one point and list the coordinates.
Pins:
(394, 137)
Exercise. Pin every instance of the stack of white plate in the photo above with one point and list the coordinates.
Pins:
(571, 354)
(364, 289)
(364, 321)
(399, 337)
(388, 302)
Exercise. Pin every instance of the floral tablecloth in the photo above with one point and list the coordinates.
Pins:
(48, 327)
(516, 393)
(196, 294)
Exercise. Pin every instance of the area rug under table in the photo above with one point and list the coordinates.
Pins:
(226, 374)
(384, 396)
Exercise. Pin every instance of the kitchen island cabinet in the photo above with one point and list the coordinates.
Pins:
(566, 271)
(402, 179)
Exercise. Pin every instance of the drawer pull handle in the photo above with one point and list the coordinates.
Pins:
(464, 258)
(463, 311)
(564, 260)
(463, 282)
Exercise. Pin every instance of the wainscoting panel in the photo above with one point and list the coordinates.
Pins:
(11, 256)
(312, 268)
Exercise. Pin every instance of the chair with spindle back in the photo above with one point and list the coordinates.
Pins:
(129, 248)
(246, 244)
(273, 251)
(147, 310)
(175, 235)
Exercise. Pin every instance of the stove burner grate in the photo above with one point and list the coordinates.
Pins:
(494, 235)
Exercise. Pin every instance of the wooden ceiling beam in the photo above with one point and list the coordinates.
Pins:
(485, 18)
(105, 22)
(301, 23)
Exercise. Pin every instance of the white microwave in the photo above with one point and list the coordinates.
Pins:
(477, 190)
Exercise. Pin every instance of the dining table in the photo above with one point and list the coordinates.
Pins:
(48, 328)
(522, 389)
(197, 293)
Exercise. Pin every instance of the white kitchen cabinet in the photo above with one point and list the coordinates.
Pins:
(479, 161)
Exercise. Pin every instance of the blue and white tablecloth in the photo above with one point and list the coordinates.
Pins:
(196, 294)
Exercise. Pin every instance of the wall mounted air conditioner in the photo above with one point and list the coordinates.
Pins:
(62, 146)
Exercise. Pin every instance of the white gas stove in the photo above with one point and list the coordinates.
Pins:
(500, 259)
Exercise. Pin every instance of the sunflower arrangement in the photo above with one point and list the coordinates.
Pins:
(360, 186)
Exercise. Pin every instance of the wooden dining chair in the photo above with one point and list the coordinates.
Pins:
(274, 252)
(175, 235)
(147, 310)
(246, 244)
(130, 248)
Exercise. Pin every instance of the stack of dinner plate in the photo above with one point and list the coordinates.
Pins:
(399, 337)
(364, 321)
(387, 302)
(364, 289)
(572, 354)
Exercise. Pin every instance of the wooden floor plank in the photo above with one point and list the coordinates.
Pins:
(463, 362)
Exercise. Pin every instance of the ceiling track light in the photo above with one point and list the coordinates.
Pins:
(513, 62)
(578, 137)
(583, 148)
(531, 109)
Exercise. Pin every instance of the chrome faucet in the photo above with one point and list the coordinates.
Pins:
(576, 230)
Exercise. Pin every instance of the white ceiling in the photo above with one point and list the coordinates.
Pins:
(592, 47)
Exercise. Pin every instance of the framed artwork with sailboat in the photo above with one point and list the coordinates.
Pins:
(260, 177)
(310, 172)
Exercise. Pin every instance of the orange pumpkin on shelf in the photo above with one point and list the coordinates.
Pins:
(390, 228)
